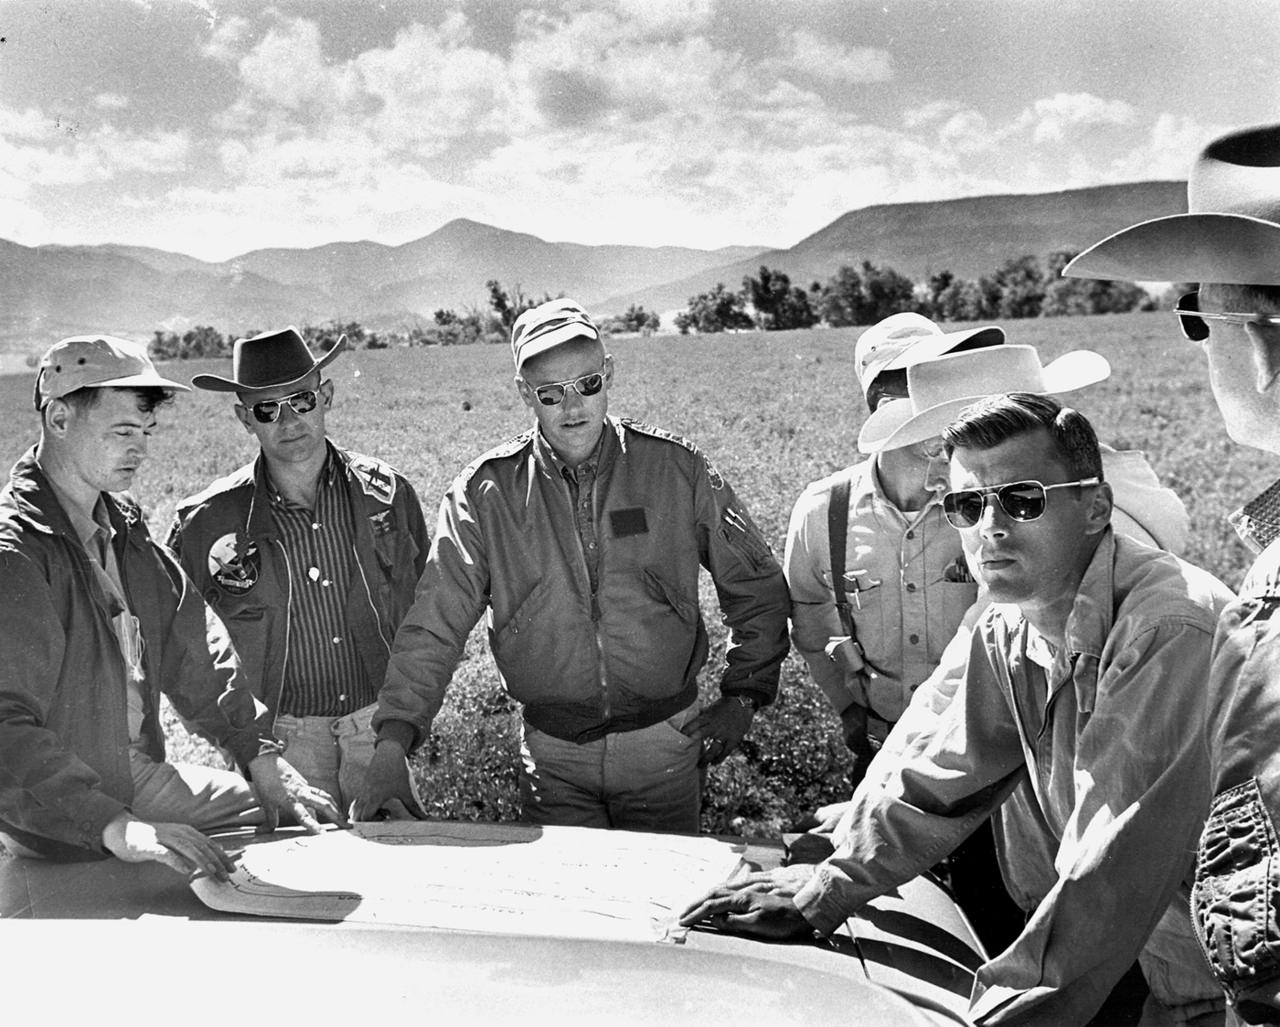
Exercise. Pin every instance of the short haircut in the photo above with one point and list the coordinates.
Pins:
(149, 397)
(1245, 297)
(891, 384)
(996, 419)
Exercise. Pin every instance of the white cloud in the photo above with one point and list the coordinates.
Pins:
(1053, 118)
(816, 57)
(227, 41)
(111, 101)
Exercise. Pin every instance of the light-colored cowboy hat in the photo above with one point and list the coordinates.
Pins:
(269, 361)
(939, 389)
(1231, 233)
(900, 340)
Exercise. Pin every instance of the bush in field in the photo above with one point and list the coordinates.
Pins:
(716, 311)
(636, 320)
(778, 304)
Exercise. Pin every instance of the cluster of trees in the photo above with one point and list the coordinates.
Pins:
(447, 328)
(1019, 288)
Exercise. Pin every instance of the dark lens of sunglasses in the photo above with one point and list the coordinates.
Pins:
(963, 509)
(1194, 328)
(550, 395)
(590, 384)
(553, 395)
(1023, 500)
(268, 411)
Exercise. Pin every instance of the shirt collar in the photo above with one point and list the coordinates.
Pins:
(327, 474)
(563, 469)
(1258, 521)
(1092, 613)
(84, 525)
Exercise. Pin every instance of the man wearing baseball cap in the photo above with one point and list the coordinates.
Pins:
(1229, 243)
(309, 554)
(96, 620)
(583, 539)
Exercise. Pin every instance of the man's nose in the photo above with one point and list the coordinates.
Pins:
(993, 520)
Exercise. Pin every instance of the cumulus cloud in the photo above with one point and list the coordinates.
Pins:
(110, 102)
(822, 58)
(1053, 118)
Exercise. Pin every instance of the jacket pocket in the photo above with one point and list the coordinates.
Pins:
(1233, 901)
(520, 618)
(664, 591)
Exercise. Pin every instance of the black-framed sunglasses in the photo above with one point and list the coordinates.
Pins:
(267, 411)
(553, 393)
(1021, 500)
(1192, 320)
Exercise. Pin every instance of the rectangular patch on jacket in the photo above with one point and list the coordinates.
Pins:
(628, 522)
(382, 523)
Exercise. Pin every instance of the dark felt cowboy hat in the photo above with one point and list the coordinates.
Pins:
(269, 361)
(1230, 235)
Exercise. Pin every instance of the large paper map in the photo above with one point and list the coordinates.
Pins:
(489, 878)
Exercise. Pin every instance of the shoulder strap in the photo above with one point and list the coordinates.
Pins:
(837, 534)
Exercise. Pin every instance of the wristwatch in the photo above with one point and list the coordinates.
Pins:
(748, 701)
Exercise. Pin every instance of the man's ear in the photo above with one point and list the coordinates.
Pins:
(526, 394)
(57, 416)
(326, 392)
(1100, 506)
(608, 368)
(1265, 342)
(245, 416)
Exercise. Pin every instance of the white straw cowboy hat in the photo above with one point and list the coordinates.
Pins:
(268, 361)
(939, 389)
(1230, 235)
(900, 340)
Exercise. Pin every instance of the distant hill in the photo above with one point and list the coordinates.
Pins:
(47, 292)
(970, 237)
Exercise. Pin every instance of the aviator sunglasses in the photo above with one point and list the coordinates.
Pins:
(1021, 500)
(267, 411)
(1191, 319)
(553, 393)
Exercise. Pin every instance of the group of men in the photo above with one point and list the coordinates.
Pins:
(991, 602)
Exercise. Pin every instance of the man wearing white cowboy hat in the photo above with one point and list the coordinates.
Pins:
(584, 538)
(1229, 243)
(909, 586)
(96, 621)
(1091, 637)
(309, 554)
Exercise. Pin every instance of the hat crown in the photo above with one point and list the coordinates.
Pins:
(886, 340)
(1238, 174)
(548, 325)
(978, 372)
(271, 359)
(88, 361)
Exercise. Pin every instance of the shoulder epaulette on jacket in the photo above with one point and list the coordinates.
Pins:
(717, 480)
(501, 451)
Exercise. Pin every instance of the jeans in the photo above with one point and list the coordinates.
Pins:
(643, 780)
(332, 753)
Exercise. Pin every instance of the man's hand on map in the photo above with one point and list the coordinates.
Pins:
(388, 791)
(176, 845)
(762, 904)
(721, 727)
(281, 789)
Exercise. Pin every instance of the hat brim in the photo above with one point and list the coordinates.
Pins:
(1226, 248)
(893, 425)
(216, 383)
(147, 379)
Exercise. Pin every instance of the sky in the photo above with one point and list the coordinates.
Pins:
(212, 128)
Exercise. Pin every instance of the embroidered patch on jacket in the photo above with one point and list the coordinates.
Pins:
(375, 479)
(235, 563)
(382, 522)
(630, 521)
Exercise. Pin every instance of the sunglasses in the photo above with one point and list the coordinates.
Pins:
(1191, 319)
(553, 393)
(1021, 500)
(267, 411)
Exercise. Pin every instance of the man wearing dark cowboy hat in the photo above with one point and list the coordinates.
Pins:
(96, 620)
(1083, 688)
(584, 538)
(1229, 243)
(309, 554)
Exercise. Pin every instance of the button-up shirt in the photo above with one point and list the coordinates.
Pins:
(1117, 767)
(907, 584)
(323, 675)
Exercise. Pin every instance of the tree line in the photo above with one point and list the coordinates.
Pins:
(862, 295)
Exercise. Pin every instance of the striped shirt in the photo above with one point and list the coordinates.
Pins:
(323, 673)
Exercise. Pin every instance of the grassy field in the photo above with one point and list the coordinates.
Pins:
(774, 411)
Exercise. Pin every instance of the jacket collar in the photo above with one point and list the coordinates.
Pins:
(606, 448)
(259, 521)
(37, 502)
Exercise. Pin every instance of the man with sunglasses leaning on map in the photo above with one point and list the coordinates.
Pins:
(1229, 243)
(309, 554)
(1085, 678)
(583, 538)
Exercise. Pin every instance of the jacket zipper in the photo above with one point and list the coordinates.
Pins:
(368, 593)
(288, 627)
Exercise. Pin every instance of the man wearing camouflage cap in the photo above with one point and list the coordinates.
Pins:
(96, 620)
(583, 537)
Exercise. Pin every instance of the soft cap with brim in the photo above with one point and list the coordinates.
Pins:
(549, 325)
(1231, 233)
(96, 362)
(900, 340)
(939, 389)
